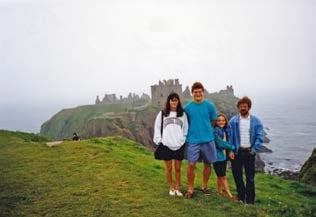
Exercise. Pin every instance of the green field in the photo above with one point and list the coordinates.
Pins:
(114, 176)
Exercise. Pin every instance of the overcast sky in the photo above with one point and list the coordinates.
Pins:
(70, 51)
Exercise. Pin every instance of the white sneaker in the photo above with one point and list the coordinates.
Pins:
(172, 192)
(178, 193)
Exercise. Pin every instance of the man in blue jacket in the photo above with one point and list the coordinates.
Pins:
(246, 134)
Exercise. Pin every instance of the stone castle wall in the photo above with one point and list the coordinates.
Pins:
(160, 92)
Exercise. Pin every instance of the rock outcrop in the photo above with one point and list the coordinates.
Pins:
(307, 173)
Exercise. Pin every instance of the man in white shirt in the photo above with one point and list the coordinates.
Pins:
(246, 134)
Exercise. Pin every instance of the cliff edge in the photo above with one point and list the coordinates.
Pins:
(307, 173)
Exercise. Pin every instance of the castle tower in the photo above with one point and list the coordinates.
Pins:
(97, 101)
(160, 91)
(186, 93)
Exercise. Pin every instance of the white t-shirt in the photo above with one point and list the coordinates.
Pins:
(175, 130)
(244, 132)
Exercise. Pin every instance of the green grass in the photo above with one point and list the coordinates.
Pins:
(114, 176)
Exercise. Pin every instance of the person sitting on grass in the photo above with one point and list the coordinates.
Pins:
(75, 137)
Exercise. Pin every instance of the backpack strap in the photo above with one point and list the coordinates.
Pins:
(161, 126)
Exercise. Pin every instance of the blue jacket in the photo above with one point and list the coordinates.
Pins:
(256, 132)
(220, 144)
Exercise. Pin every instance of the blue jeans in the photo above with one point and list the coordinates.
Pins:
(244, 160)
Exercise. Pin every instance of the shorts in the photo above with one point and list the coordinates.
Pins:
(220, 168)
(164, 153)
(206, 150)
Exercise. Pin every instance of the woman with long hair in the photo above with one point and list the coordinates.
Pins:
(171, 127)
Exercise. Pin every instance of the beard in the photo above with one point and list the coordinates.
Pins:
(244, 112)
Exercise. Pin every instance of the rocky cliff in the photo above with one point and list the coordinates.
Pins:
(123, 119)
(307, 173)
(103, 120)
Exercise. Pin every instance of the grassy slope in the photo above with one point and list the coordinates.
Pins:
(65, 122)
(117, 177)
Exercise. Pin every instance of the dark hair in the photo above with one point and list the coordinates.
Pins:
(197, 85)
(166, 110)
(226, 121)
(244, 100)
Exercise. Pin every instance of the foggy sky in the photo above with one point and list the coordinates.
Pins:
(67, 52)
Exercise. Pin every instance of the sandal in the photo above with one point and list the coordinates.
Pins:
(205, 191)
(188, 195)
(234, 199)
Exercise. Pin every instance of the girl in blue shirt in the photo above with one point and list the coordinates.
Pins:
(221, 164)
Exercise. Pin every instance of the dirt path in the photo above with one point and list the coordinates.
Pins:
(51, 144)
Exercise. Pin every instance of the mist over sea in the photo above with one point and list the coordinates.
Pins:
(29, 117)
(290, 121)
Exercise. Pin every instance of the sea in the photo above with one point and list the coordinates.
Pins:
(290, 122)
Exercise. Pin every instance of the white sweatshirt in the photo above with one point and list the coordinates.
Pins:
(175, 130)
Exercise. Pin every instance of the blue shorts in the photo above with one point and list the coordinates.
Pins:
(207, 151)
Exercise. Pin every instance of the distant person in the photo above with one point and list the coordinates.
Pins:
(75, 137)
(222, 146)
(246, 134)
(171, 126)
(200, 139)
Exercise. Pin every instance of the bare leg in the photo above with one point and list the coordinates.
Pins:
(225, 184)
(169, 173)
(190, 176)
(177, 167)
(219, 185)
(206, 174)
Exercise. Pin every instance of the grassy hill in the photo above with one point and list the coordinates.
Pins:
(64, 123)
(91, 121)
(114, 176)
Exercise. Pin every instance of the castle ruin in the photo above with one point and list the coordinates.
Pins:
(228, 91)
(160, 91)
(131, 98)
(159, 94)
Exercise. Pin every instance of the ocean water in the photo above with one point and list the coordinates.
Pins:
(290, 122)
(27, 117)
